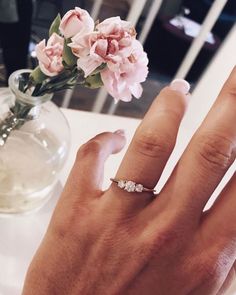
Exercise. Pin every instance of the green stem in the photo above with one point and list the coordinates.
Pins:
(64, 80)
(16, 118)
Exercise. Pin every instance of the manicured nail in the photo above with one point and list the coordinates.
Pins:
(180, 85)
(120, 132)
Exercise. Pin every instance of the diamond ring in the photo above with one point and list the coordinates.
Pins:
(131, 186)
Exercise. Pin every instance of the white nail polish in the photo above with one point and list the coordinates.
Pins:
(180, 85)
(120, 132)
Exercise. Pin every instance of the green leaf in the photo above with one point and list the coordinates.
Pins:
(37, 76)
(69, 58)
(99, 69)
(93, 81)
(55, 25)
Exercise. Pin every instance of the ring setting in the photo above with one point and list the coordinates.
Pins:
(130, 186)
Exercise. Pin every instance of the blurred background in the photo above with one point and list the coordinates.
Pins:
(180, 37)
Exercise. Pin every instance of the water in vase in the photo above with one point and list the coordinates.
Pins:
(28, 166)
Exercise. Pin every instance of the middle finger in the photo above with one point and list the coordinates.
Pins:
(208, 156)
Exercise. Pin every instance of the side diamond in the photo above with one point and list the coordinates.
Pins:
(121, 184)
(139, 188)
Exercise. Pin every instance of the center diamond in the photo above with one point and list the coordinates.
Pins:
(130, 186)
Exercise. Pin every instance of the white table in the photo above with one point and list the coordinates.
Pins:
(21, 235)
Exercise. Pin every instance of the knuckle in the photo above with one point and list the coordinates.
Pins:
(153, 145)
(165, 237)
(93, 147)
(171, 237)
(70, 225)
(215, 151)
(210, 269)
(213, 262)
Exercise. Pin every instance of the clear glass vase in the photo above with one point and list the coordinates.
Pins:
(34, 144)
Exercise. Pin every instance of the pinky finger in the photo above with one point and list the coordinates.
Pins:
(230, 279)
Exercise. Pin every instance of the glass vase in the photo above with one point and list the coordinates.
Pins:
(34, 144)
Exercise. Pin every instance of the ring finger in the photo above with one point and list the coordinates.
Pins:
(152, 144)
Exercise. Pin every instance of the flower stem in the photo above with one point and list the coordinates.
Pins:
(18, 115)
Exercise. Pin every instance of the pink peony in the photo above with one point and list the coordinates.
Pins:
(123, 82)
(76, 21)
(109, 43)
(50, 55)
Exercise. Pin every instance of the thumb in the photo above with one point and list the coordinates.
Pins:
(87, 172)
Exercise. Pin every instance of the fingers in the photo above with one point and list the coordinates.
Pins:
(208, 156)
(218, 229)
(228, 282)
(155, 138)
(220, 220)
(87, 173)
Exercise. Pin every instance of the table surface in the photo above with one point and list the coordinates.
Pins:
(21, 235)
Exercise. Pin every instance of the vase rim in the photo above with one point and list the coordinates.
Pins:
(13, 82)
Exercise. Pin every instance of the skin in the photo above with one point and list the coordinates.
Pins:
(115, 242)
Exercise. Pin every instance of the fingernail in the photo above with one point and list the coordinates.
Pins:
(120, 132)
(180, 85)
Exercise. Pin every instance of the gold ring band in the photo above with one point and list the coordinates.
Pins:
(131, 187)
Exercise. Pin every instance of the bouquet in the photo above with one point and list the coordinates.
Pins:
(80, 51)
(92, 54)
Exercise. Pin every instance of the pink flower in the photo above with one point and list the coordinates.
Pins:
(109, 43)
(81, 43)
(76, 21)
(123, 82)
(50, 55)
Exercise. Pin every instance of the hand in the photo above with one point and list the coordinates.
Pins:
(115, 242)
